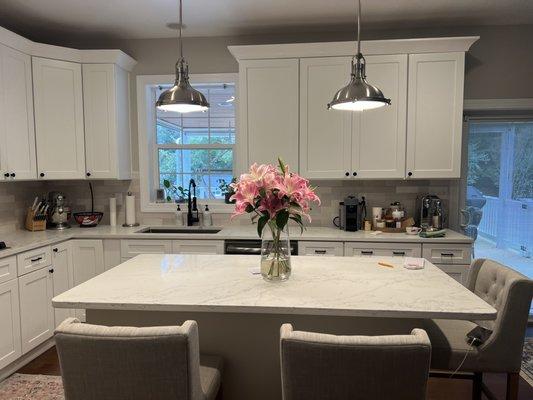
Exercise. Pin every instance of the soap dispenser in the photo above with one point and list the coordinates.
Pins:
(179, 216)
(208, 220)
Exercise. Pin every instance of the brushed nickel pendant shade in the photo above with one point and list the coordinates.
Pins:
(358, 95)
(182, 97)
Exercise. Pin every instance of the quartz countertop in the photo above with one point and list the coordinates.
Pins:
(22, 240)
(337, 286)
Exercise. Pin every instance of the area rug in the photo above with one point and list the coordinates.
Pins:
(26, 387)
(527, 361)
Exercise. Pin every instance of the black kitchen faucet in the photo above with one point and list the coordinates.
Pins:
(191, 205)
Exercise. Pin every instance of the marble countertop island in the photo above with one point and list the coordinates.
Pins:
(328, 286)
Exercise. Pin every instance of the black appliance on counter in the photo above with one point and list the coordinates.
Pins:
(251, 247)
(352, 214)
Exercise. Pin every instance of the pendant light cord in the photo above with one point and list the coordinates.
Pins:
(180, 27)
(358, 27)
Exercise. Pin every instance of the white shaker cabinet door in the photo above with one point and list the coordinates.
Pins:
(36, 312)
(379, 136)
(62, 277)
(10, 343)
(107, 121)
(58, 119)
(268, 116)
(17, 130)
(435, 112)
(87, 262)
(325, 135)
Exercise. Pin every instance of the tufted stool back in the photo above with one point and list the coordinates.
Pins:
(510, 293)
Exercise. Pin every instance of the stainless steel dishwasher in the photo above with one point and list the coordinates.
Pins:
(251, 247)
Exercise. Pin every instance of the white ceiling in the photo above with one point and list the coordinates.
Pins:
(128, 19)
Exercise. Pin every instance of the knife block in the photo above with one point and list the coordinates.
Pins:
(33, 224)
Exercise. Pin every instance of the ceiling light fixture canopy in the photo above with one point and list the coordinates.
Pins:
(182, 97)
(358, 95)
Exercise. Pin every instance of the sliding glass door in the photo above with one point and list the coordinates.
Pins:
(498, 211)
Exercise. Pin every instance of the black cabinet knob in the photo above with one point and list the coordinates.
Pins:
(6, 174)
(55, 250)
(88, 174)
(409, 173)
(41, 174)
(347, 174)
(354, 174)
(51, 270)
(12, 174)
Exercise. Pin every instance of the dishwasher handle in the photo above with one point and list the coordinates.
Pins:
(235, 249)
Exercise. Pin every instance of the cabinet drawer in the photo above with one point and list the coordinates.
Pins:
(320, 248)
(457, 272)
(131, 248)
(447, 253)
(359, 249)
(198, 246)
(8, 268)
(34, 259)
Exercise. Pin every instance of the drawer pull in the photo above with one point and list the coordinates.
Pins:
(367, 252)
(398, 253)
(320, 251)
(51, 270)
(36, 259)
(446, 254)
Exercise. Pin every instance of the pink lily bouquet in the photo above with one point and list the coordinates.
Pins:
(274, 196)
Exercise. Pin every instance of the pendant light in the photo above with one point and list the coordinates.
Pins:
(358, 95)
(182, 97)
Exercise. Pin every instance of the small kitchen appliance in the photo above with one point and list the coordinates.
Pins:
(59, 214)
(427, 206)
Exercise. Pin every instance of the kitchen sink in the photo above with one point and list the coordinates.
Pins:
(178, 230)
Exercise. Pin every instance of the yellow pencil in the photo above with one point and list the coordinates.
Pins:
(384, 264)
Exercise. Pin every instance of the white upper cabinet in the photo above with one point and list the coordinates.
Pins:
(107, 121)
(434, 128)
(59, 119)
(340, 144)
(325, 135)
(268, 118)
(17, 135)
(378, 140)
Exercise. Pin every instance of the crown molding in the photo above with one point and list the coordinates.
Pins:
(369, 47)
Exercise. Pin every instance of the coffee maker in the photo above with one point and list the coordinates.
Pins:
(427, 207)
(352, 213)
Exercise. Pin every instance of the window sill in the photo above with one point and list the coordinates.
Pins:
(214, 206)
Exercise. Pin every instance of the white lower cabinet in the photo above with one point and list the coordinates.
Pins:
(457, 272)
(320, 248)
(361, 249)
(8, 268)
(36, 312)
(131, 248)
(10, 341)
(198, 246)
(111, 253)
(454, 259)
(87, 262)
(62, 277)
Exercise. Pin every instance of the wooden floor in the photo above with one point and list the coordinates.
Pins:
(439, 389)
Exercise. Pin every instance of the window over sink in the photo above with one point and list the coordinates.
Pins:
(176, 147)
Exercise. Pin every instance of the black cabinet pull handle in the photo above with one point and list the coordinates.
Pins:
(55, 250)
(41, 174)
(347, 174)
(51, 270)
(446, 254)
(409, 173)
(398, 253)
(36, 259)
(320, 251)
(354, 174)
(367, 252)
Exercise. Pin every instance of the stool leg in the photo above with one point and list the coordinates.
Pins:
(476, 386)
(513, 380)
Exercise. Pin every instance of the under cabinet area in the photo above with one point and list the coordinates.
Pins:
(361, 249)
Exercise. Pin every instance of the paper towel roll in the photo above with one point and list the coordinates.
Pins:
(130, 209)
(112, 211)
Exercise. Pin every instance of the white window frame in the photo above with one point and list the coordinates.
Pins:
(146, 117)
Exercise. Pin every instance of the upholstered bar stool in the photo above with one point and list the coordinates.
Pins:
(510, 293)
(128, 363)
(317, 366)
